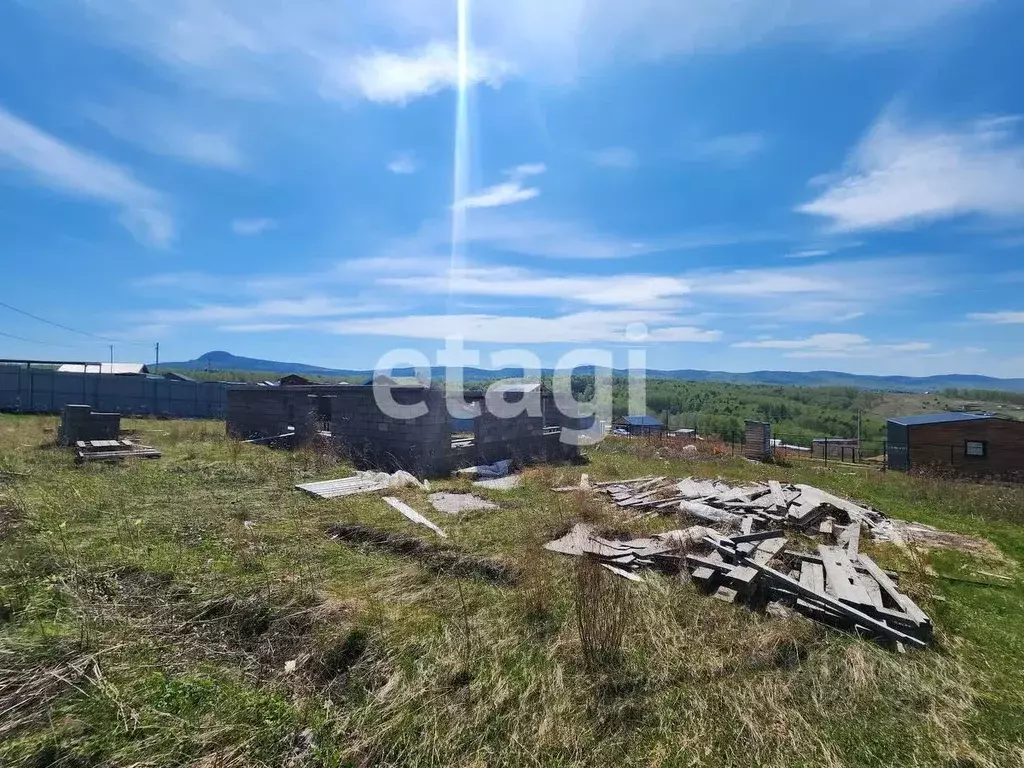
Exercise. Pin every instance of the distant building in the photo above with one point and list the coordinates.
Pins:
(293, 380)
(639, 425)
(118, 369)
(171, 375)
(971, 443)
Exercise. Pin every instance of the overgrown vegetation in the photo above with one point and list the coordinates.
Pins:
(194, 611)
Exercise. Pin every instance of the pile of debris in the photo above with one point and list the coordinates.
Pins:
(836, 586)
(112, 450)
(748, 506)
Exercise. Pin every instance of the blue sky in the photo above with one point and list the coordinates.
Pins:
(736, 186)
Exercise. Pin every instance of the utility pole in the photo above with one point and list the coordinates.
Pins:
(111, 354)
(157, 365)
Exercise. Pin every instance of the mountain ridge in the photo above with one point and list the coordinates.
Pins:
(225, 361)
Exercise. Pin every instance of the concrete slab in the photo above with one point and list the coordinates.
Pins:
(456, 503)
(500, 483)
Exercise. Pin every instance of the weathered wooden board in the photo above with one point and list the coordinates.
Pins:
(413, 515)
(841, 577)
(840, 607)
(887, 586)
(767, 549)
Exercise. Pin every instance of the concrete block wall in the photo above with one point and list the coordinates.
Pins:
(520, 438)
(421, 445)
(80, 422)
(254, 412)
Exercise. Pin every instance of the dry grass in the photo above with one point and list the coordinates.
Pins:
(194, 611)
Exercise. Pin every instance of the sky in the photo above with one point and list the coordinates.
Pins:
(734, 186)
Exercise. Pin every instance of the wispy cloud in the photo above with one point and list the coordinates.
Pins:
(52, 163)
(999, 318)
(900, 176)
(403, 163)
(253, 46)
(398, 78)
(808, 254)
(250, 227)
(606, 290)
(507, 193)
(159, 130)
(267, 311)
(578, 328)
(621, 158)
(833, 345)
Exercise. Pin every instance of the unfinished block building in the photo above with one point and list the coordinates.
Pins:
(349, 416)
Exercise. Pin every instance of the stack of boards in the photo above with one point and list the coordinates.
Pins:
(112, 450)
(836, 584)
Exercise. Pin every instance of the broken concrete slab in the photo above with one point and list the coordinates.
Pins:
(507, 483)
(457, 503)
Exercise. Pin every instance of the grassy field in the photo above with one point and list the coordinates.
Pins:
(192, 610)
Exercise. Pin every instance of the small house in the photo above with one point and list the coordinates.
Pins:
(118, 369)
(293, 380)
(970, 443)
(639, 425)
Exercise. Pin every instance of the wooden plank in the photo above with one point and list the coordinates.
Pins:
(767, 549)
(707, 562)
(825, 529)
(413, 515)
(775, 489)
(747, 524)
(742, 575)
(887, 586)
(606, 483)
(872, 588)
(841, 577)
(622, 573)
(759, 536)
(853, 545)
(705, 512)
(839, 607)
(702, 574)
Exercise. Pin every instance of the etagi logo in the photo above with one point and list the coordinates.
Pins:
(594, 412)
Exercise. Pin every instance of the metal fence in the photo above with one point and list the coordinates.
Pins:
(31, 390)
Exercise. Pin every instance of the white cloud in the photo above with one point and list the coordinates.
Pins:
(605, 290)
(621, 158)
(834, 345)
(403, 163)
(729, 148)
(161, 131)
(52, 163)
(394, 78)
(999, 318)
(578, 328)
(250, 227)
(808, 254)
(900, 176)
(307, 307)
(261, 46)
(507, 193)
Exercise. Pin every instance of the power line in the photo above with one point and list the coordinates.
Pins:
(67, 328)
(45, 343)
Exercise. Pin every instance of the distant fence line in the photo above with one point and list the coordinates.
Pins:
(31, 390)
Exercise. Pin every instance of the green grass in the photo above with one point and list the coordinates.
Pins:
(147, 613)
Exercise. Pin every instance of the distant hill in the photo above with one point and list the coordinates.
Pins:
(225, 361)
